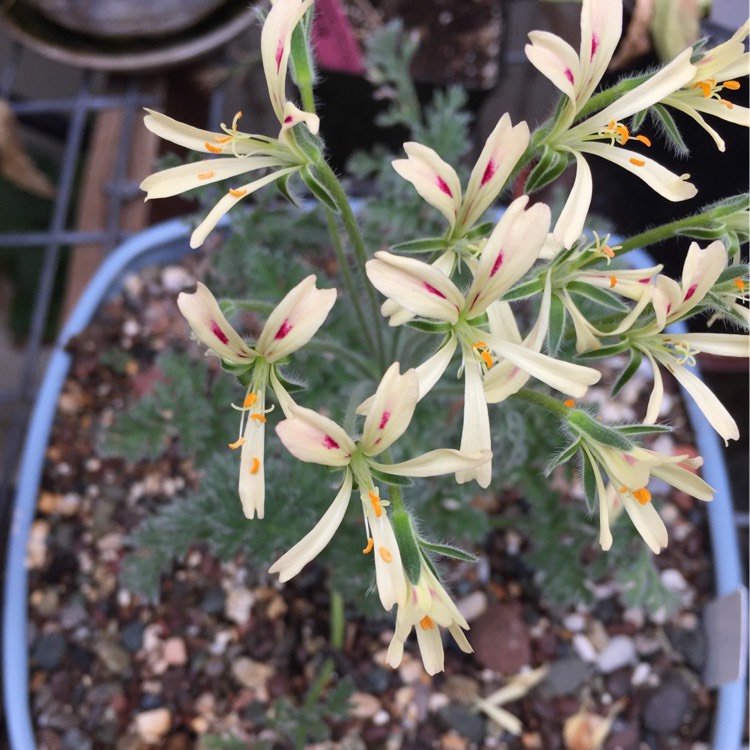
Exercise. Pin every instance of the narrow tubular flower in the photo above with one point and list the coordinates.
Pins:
(237, 152)
(427, 292)
(426, 608)
(290, 326)
(314, 438)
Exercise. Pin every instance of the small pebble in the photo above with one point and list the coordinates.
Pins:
(640, 674)
(176, 278)
(584, 648)
(363, 705)
(175, 652)
(151, 726)
(575, 622)
(619, 652)
(238, 604)
(410, 671)
(252, 674)
(473, 605)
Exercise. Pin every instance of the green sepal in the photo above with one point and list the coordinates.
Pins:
(562, 457)
(408, 545)
(637, 120)
(730, 273)
(550, 166)
(556, 328)
(725, 311)
(480, 231)
(668, 127)
(712, 231)
(430, 326)
(282, 185)
(308, 177)
(526, 289)
(636, 357)
(291, 386)
(643, 429)
(589, 427)
(302, 61)
(243, 373)
(589, 481)
(448, 550)
(480, 320)
(428, 245)
(601, 296)
(728, 206)
(394, 480)
(605, 351)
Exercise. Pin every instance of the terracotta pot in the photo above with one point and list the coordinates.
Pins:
(125, 18)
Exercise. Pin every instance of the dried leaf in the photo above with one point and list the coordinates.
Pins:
(15, 164)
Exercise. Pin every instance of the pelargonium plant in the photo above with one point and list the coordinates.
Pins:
(461, 291)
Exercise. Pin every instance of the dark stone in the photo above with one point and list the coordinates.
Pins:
(666, 707)
(606, 610)
(377, 680)
(49, 650)
(565, 676)
(501, 639)
(213, 600)
(75, 739)
(461, 719)
(255, 712)
(131, 635)
(81, 657)
(690, 643)
(150, 701)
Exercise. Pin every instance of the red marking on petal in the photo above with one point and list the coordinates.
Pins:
(690, 292)
(569, 75)
(286, 326)
(669, 308)
(279, 55)
(488, 173)
(384, 420)
(288, 119)
(330, 443)
(441, 184)
(219, 333)
(431, 289)
(594, 45)
(498, 262)
(628, 458)
(647, 280)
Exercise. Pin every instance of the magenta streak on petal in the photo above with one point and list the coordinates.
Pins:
(218, 332)
(286, 326)
(441, 184)
(690, 292)
(488, 173)
(279, 55)
(330, 443)
(628, 458)
(569, 75)
(384, 420)
(669, 308)
(594, 45)
(288, 119)
(498, 262)
(431, 289)
(644, 281)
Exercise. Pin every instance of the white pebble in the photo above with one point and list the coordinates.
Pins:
(176, 278)
(584, 648)
(619, 652)
(575, 622)
(151, 726)
(673, 579)
(473, 605)
(238, 604)
(640, 674)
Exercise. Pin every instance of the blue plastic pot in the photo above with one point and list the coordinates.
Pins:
(168, 242)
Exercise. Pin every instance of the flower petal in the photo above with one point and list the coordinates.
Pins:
(295, 320)
(310, 546)
(311, 437)
(252, 486)
(434, 463)
(723, 344)
(432, 369)
(475, 435)
(647, 522)
(202, 312)
(293, 115)
(569, 225)
(702, 268)
(556, 59)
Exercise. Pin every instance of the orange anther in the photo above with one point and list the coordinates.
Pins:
(237, 192)
(642, 495)
(612, 281)
(637, 162)
(622, 131)
(740, 284)
(623, 489)
(258, 417)
(375, 500)
(256, 466)
(213, 149)
(385, 554)
(643, 139)
(250, 399)
(237, 443)
(206, 175)
(726, 103)
(368, 548)
(487, 358)
(427, 623)
(731, 85)
(569, 403)
(222, 138)
(479, 345)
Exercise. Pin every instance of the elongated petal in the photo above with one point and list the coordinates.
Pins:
(601, 28)
(432, 369)
(657, 393)
(605, 499)
(669, 185)
(275, 46)
(417, 286)
(431, 648)
(723, 344)
(736, 114)
(286, 402)
(622, 468)
(501, 151)
(647, 522)
(435, 180)
(311, 437)
(202, 312)
(252, 486)
(395, 652)
(555, 59)
(188, 176)
(295, 320)
(389, 570)
(475, 435)
(434, 463)
(688, 108)
(569, 225)
(178, 132)
(310, 546)
(685, 480)
(391, 410)
(293, 115)
(716, 414)
(702, 268)
(510, 251)
(229, 201)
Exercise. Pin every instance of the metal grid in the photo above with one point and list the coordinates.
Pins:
(77, 111)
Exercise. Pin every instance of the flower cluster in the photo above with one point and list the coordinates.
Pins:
(465, 294)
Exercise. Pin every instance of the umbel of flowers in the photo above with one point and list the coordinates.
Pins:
(465, 293)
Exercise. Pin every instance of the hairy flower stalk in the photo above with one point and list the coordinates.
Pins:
(313, 438)
(290, 326)
(237, 152)
(427, 292)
